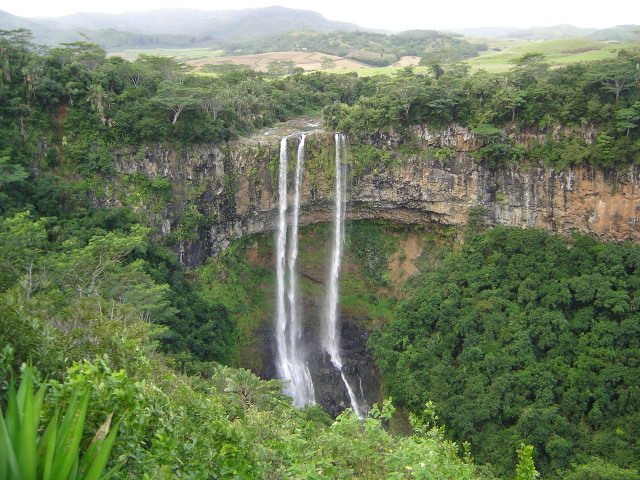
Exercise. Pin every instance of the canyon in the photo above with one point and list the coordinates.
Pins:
(235, 188)
(235, 191)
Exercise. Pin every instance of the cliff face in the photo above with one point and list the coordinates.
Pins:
(236, 192)
(218, 195)
(584, 200)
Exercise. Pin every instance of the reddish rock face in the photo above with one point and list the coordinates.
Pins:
(236, 189)
(583, 200)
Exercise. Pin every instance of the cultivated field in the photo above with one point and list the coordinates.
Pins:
(181, 54)
(556, 52)
(498, 58)
(305, 60)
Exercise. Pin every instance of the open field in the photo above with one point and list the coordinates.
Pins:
(495, 44)
(498, 58)
(367, 71)
(556, 52)
(305, 60)
(181, 54)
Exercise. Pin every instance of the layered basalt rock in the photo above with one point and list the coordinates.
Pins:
(234, 188)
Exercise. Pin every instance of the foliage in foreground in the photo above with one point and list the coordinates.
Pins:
(233, 425)
(27, 454)
(79, 310)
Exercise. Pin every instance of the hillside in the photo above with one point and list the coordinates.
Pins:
(620, 33)
(374, 49)
(556, 52)
(536, 34)
(172, 27)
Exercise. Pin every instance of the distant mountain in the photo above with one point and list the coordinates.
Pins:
(241, 29)
(223, 25)
(12, 22)
(53, 34)
(41, 33)
(483, 32)
(621, 33)
(550, 33)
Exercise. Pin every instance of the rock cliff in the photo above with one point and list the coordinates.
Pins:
(235, 191)
(219, 194)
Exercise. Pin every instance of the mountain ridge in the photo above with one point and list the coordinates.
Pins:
(223, 24)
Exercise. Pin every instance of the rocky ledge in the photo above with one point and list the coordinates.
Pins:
(235, 190)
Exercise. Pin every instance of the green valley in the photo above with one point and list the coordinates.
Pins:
(160, 215)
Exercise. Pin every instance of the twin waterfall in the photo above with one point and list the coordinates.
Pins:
(291, 358)
(291, 361)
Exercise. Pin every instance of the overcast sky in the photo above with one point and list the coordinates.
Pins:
(389, 15)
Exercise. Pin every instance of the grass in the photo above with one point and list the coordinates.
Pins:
(182, 54)
(373, 71)
(556, 52)
(495, 44)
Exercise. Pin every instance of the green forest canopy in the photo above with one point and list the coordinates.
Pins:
(89, 299)
(525, 337)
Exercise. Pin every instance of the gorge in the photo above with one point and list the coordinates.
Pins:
(240, 191)
(235, 188)
(430, 272)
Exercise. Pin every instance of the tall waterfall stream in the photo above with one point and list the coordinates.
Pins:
(291, 358)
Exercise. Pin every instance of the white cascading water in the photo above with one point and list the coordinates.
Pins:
(290, 362)
(331, 332)
(282, 363)
(301, 386)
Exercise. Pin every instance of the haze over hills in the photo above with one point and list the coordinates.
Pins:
(206, 35)
(621, 33)
(221, 24)
(173, 27)
(187, 27)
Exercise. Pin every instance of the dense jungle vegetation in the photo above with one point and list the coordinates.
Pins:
(107, 320)
(522, 336)
(112, 325)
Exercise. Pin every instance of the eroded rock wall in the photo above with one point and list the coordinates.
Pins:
(235, 190)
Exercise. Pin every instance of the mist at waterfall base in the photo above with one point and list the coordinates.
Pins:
(291, 356)
(291, 362)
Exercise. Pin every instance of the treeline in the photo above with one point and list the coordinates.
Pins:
(526, 337)
(87, 102)
(601, 97)
(376, 49)
(91, 99)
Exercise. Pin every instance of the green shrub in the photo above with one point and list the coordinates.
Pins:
(56, 454)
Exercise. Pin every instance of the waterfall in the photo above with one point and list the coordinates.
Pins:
(282, 360)
(291, 361)
(301, 386)
(291, 356)
(331, 328)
